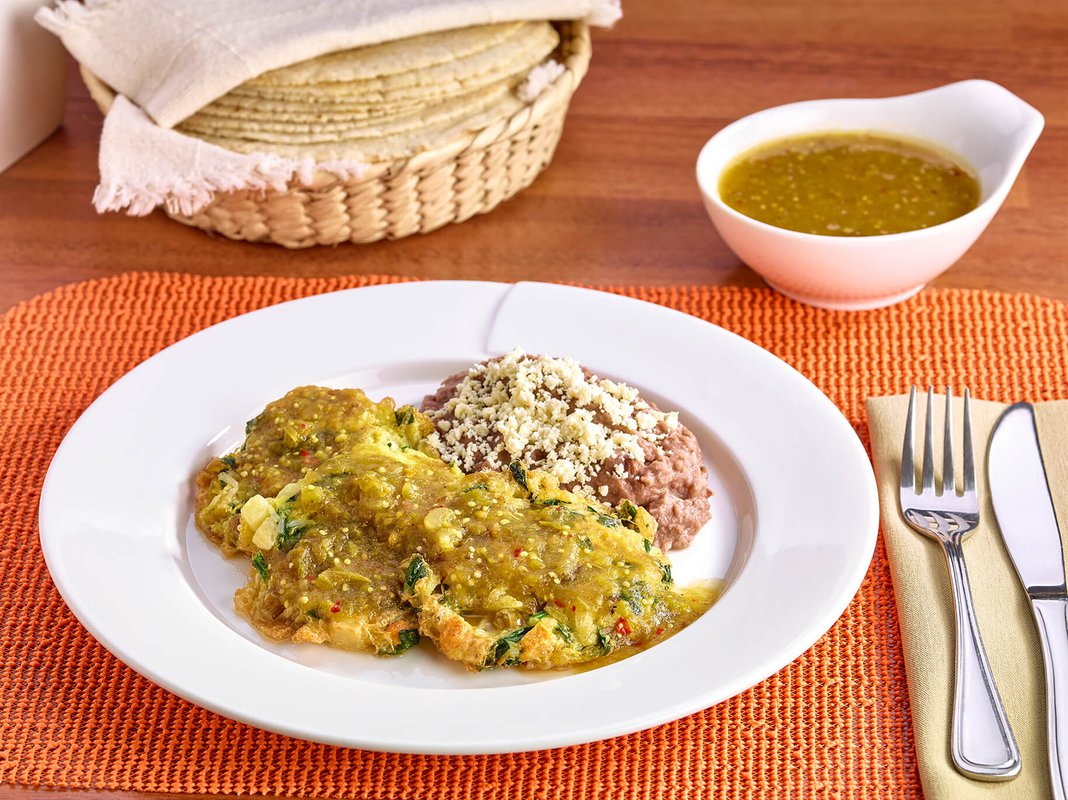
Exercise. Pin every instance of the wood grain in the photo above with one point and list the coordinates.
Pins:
(619, 204)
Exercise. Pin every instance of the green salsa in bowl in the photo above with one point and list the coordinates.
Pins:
(857, 203)
(849, 184)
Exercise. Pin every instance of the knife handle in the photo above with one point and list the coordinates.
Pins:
(1052, 618)
(983, 746)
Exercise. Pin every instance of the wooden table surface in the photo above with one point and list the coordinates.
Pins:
(619, 203)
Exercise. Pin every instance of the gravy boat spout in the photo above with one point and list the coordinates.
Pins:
(983, 125)
(988, 126)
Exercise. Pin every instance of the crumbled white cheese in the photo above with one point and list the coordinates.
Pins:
(545, 413)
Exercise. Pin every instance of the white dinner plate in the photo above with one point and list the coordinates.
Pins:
(793, 528)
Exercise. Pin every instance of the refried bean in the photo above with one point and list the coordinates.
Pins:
(671, 483)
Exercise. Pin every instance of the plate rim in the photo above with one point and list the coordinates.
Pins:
(832, 610)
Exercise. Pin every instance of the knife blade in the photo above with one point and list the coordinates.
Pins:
(1023, 505)
(1022, 502)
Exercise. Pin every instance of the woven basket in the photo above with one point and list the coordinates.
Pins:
(467, 176)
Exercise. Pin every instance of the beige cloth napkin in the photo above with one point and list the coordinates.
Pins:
(143, 166)
(925, 609)
(173, 57)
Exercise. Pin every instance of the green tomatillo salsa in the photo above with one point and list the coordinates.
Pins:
(848, 184)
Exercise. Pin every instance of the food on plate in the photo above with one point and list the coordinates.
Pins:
(383, 101)
(306, 554)
(600, 439)
(363, 538)
(848, 184)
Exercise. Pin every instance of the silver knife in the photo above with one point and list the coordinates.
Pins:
(1024, 509)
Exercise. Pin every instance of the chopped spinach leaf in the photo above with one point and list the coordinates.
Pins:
(406, 416)
(585, 543)
(539, 616)
(552, 502)
(261, 567)
(250, 425)
(502, 647)
(604, 519)
(666, 570)
(520, 475)
(481, 486)
(603, 642)
(633, 599)
(290, 534)
(417, 570)
(565, 633)
(629, 509)
(313, 614)
(515, 636)
(408, 640)
(229, 461)
(647, 545)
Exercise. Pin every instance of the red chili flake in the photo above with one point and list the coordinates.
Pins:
(558, 603)
(572, 608)
(659, 630)
(336, 607)
(312, 578)
(305, 453)
(517, 551)
(623, 627)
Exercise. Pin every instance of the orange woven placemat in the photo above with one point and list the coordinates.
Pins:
(833, 724)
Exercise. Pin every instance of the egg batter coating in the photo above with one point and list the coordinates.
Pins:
(381, 541)
(290, 437)
(308, 558)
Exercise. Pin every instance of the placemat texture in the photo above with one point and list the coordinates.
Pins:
(832, 725)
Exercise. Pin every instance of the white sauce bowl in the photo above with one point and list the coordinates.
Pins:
(984, 125)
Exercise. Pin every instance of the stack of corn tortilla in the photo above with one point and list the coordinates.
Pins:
(381, 102)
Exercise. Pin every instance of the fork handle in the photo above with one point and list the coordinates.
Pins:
(1052, 617)
(983, 746)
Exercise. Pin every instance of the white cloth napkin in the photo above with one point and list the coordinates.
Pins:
(172, 57)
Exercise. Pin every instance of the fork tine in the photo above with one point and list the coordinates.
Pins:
(969, 457)
(927, 477)
(949, 483)
(908, 463)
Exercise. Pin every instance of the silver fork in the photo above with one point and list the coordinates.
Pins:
(983, 746)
